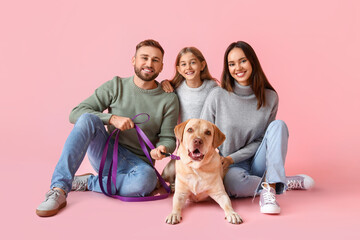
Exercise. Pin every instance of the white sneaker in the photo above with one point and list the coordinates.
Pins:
(268, 204)
(80, 182)
(300, 182)
(54, 201)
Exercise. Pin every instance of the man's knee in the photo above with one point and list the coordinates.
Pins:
(88, 120)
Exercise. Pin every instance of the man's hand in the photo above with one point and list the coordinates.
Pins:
(156, 152)
(226, 162)
(122, 123)
(166, 86)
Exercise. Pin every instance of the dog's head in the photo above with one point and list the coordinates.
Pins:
(198, 137)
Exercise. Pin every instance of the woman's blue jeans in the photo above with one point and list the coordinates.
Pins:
(135, 177)
(244, 178)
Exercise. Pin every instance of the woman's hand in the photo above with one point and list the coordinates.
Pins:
(122, 123)
(226, 162)
(166, 86)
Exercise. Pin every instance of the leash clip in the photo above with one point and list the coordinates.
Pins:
(174, 157)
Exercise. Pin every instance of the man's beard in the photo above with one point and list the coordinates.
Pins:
(145, 77)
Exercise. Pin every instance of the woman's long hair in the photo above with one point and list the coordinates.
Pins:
(257, 81)
(204, 75)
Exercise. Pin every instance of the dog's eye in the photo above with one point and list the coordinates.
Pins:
(190, 130)
(208, 132)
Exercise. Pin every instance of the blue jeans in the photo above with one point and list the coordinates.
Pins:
(244, 178)
(135, 177)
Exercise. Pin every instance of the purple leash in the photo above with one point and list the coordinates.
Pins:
(143, 140)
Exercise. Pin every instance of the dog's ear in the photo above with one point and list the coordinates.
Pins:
(179, 130)
(219, 137)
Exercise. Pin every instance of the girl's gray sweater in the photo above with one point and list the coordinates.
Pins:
(192, 99)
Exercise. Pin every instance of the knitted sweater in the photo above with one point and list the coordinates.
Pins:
(236, 115)
(192, 99)
(121, 97)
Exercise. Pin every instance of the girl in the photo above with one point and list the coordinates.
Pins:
(192, 82)
(244, 109)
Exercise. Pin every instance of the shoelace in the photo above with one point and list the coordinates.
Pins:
(79, 185)
(294, 184)
(52, 194)
(269, 197)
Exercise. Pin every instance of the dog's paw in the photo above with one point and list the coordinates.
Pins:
(233, 218)
(173, 218)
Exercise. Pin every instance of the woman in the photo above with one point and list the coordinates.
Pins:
(244, 109)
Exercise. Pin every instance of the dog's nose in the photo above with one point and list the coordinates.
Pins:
(198, 141)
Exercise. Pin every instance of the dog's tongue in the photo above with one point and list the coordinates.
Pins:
(196, 155)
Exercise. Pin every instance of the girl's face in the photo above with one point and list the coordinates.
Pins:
(239, 66)
(190, 67)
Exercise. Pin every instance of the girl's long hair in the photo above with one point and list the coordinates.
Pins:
(204, 75)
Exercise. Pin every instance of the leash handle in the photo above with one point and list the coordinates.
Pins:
(143, 140)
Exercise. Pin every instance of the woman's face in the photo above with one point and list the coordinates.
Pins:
(190, 67)
(239, 66)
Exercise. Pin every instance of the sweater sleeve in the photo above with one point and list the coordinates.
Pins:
(98, 102)
(167, 135)
(209, 109)
(250, 149)
(247, 151)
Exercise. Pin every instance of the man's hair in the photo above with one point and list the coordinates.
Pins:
(150, 43)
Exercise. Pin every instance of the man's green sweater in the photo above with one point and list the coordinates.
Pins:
(121, 97)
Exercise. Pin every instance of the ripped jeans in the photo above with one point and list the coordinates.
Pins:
(244, 178)
(134, 176)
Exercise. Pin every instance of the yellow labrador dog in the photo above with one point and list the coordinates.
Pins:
(199, 173)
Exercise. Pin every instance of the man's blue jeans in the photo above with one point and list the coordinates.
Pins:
(134, 176)
(243, 179)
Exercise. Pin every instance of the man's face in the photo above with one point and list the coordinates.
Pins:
(148, 63)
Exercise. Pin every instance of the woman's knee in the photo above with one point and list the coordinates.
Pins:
(238, 183)
(278, 125)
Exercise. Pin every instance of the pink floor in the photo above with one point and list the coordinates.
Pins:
(329, 211)
(53, 54)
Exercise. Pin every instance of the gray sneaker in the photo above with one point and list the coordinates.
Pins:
(54, 201)
(80, 182)
(267, 201)
(300, 182)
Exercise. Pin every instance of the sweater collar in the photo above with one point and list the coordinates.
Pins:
(154, 91)
(241, 90)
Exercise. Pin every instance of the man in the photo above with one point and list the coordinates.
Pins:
(123, 98)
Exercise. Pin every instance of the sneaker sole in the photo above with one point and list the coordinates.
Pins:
(49, 213)
(269, 210)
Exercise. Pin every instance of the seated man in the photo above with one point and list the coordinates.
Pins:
(123, 98)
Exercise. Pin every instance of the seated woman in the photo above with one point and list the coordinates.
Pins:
(244, 109)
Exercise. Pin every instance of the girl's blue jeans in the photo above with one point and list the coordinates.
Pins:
(244, 178)
(135, 177)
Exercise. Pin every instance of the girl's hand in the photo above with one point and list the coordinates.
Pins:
(166, 86)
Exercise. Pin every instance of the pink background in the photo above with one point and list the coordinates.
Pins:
(53, 54)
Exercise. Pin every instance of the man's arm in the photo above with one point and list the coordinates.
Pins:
(167, 135)
(102, 98)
